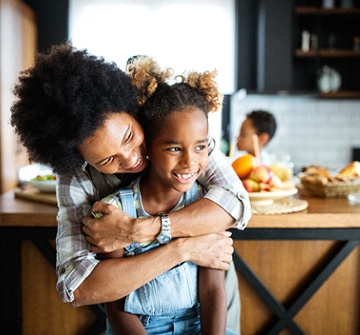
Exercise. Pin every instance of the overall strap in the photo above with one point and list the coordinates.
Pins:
(192, 194)
(99, 181)
(127, 200)
(128, 205)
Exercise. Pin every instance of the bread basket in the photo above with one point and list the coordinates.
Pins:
(321, 187)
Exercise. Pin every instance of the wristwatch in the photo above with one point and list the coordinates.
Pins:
(165, 233)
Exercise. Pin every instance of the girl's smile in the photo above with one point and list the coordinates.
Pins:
(178, 153)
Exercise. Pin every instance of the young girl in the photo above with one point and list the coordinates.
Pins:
(175, 122)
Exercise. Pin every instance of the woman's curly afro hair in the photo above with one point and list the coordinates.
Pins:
(63, 99)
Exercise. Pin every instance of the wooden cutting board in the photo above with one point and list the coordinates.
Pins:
(35, 195)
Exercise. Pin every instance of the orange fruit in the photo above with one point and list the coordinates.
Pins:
(244, 165)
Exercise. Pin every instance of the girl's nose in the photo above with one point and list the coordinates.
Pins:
(188, 158)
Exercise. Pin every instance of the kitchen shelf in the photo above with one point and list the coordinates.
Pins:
(335, 31)
(341, 95)
(304, 10)
(330, 53)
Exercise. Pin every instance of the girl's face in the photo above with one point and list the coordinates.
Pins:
(179, 153)
(117, 147)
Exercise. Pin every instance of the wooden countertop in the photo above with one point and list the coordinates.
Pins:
(321, 213)
(25, 213)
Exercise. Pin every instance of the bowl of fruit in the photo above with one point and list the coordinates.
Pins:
(263, 184)
(44, 183)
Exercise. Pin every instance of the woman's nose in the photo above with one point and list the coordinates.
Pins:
(128, 157)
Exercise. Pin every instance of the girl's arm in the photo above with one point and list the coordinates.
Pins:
(212, 296)
(120, 321)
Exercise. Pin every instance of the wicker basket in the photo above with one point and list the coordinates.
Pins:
(333, 189)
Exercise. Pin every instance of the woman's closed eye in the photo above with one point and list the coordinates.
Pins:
(129, 137)
(107, 161)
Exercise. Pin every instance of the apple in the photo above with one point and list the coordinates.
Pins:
(275, 181)
(264, 187)
(251, 185)
(262, 174)
(278, 185)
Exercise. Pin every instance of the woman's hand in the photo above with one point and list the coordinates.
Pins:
(115, 229)
(109, 232)
(211, 251)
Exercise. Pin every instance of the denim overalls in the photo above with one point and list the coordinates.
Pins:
(172, 294)
(168, 304)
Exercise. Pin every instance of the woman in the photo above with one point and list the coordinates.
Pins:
(76, 113)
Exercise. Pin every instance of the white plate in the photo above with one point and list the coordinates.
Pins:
(48, 186)
(354, 198)
(267, 198)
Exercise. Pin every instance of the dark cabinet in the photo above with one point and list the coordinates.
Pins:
(326, 37)
(276, 60)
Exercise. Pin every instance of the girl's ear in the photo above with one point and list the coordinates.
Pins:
(263, 139)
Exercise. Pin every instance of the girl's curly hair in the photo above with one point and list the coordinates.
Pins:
(63, 99)
(158, 97)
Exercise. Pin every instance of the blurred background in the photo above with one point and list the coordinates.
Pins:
(256, 46)
(269, 54)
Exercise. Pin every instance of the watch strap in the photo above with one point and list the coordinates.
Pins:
(165, 233)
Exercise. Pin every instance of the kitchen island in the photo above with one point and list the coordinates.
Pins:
(299, 273)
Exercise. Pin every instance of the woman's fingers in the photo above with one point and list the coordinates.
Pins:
(213, 250)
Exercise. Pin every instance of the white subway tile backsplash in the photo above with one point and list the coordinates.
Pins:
(312, 131)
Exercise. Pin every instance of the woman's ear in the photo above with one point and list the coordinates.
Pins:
(263, 139)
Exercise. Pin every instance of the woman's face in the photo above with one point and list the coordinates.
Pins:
(116, 147)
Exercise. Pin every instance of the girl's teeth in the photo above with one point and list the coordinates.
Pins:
(185, 176)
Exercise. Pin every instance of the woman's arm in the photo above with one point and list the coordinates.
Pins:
(83, 279)
(212, 298)
(113, 279)
(225, 205)
(115, 229)
(226, 189)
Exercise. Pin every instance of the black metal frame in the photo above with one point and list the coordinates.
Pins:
(10, 278)
(349, 239)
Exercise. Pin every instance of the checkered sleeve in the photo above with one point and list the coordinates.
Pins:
(225, 188)
(75, 261)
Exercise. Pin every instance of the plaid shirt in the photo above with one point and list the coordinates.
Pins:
(77, 193)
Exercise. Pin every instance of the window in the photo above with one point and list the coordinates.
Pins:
(181, 34)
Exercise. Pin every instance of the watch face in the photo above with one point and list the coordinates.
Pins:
(164, 238)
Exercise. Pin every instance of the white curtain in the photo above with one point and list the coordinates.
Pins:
(181, 34)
